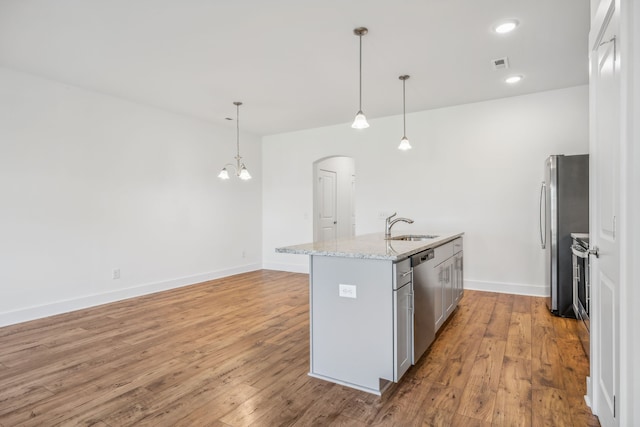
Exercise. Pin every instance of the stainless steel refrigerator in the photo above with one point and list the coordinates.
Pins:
(564, 209)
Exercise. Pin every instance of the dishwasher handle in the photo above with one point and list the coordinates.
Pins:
(422, 257)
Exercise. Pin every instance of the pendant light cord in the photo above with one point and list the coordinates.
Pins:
(360, 37)
(238, 130)
(404, 113)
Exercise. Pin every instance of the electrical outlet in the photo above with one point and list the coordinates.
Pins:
(383, 215)
(116, 274)
(244, 254)
(347, 291)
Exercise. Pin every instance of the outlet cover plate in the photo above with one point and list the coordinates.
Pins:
(347, 291)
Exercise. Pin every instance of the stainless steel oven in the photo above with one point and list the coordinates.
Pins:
(581, 285)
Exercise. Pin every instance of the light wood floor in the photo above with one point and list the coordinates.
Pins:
(235, 352)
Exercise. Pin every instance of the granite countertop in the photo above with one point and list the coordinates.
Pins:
(370, 246)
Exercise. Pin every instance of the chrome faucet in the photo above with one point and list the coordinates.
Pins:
(389, 224)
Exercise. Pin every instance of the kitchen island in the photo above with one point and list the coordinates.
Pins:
(365, 316)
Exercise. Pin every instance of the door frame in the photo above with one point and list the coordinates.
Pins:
(630, 212)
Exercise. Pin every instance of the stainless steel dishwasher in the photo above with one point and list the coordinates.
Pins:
(424, 326)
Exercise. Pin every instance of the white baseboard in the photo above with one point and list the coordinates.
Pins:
(291, 268)
(59, 307)
(507, 288)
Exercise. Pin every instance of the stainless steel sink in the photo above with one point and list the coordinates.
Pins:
(414, 237)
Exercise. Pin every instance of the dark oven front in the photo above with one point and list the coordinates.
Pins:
(581, 288)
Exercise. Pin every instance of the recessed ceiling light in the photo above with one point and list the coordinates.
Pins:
(513, 79)
(506, 26)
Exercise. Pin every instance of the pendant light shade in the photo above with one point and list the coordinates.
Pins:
(360, 121)
(240, 168)
(224, 174)
(244, 173)
(404, 142)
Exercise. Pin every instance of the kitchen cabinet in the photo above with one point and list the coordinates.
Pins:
(447, 286)
(458, 271)
(403, 319)
(449, 302)
(437, 293)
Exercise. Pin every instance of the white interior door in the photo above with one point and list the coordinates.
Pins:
(605, 208)
(327, 187)
(334, 198)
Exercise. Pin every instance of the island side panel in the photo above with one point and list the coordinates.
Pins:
(352, 338)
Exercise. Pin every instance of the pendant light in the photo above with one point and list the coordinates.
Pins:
(360, 121)
(404, 142)
(241, 170)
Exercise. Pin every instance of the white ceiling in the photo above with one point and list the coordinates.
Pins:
(294, 63)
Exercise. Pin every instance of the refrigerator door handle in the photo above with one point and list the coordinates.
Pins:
(542, 215)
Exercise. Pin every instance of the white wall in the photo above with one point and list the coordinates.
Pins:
(475, 168)
(90, 183)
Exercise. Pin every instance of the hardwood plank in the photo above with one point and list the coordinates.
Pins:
(433, 417)
(440, 405)
(456, 368)
(522, 304)
(519, 336)
(513, 407)
(551, 408)
(500, 320)
(344, 421)
(429, 366)
(200, 405)
(547, 371)
(363, 407)
(513, 400)
(488, 363)
(462, 421)
(540, 313)
(327, 409)
(580, 413)
(477, 402)
(23, 398)
(405, 407)
(275, 405)
(574, 367)
(442, 398)
(513, 370)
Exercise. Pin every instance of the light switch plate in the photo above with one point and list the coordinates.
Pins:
(347, 291)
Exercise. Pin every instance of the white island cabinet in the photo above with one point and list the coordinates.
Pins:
(362, 308)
